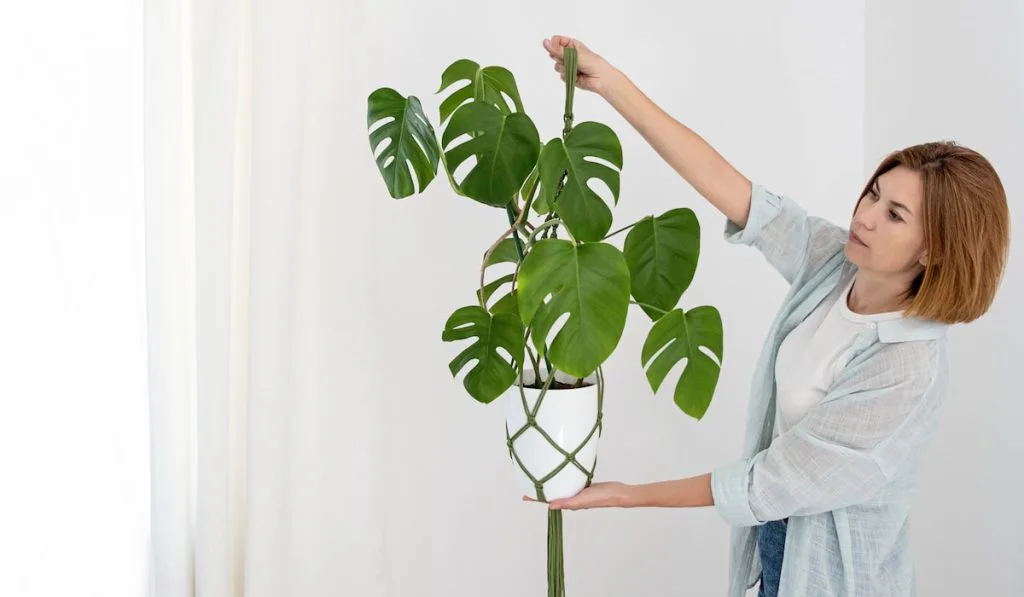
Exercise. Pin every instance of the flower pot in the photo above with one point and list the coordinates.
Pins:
(553, 446)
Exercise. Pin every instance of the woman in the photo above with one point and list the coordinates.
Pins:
(849, 385)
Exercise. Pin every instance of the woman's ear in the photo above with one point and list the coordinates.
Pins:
(924, 259)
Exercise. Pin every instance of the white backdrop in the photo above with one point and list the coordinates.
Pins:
(296, 310)
(74, 463)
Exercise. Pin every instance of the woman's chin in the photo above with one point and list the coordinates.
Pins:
(855, 253)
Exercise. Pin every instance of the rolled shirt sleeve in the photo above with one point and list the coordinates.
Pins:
(790, 239)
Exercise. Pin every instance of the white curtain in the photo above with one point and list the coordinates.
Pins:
(257, 326)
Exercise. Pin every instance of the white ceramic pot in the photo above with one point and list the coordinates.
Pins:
(567, 416)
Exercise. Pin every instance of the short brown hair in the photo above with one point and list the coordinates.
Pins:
(966, 230)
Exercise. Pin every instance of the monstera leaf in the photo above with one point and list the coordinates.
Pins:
(412, 141)
(505, 252)
(491, 287)
(486, 84)
(492, 374)
(590, 283)
(678, 336)
(662, 254)
(584, 212)
(505, 145)
(507, 304)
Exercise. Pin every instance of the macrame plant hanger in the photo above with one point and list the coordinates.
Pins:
(556, 564)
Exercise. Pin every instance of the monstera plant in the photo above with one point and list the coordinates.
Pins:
(563, 306)
(546, 189)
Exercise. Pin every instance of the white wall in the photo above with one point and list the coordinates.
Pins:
(777, 89)
(956, 71)
(74, 459)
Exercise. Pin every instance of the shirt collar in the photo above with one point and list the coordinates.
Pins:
(902, 329)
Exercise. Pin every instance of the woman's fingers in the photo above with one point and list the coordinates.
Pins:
(554, 50)
(554, 505)
(556, 44)
(561, 41)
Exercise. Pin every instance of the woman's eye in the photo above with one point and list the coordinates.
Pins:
(895, 217)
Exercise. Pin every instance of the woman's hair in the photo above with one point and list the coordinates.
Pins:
(966, 230)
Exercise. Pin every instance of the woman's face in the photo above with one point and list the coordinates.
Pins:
(887, 231)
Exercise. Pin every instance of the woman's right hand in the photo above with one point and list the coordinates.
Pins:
(683, 149)
(594, 73)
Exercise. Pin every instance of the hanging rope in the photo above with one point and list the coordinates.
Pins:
(556, 567)
(556, 564)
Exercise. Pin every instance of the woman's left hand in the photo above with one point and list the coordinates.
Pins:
(610, 494)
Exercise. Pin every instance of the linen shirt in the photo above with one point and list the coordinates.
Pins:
(812, 355)
(845, 474)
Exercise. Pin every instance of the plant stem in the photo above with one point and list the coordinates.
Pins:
(568, 233)
(550, 370)
(658, 309)
(533, 359)
(547, 224)
(514, 222)
(623, 229)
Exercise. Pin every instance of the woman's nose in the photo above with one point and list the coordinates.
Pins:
(869, 216)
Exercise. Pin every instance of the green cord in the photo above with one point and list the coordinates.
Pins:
(571, 66)
(556, 564)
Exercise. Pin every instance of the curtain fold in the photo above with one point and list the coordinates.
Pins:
(264, 480)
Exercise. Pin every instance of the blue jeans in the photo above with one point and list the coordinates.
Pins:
(771, 541)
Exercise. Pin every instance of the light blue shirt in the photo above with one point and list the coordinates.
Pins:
(845, 474)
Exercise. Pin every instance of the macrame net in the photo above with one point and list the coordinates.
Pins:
(556, 569)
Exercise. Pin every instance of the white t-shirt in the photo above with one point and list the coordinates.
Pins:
(813, 354)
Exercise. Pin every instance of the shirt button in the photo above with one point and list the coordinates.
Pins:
(873, 325)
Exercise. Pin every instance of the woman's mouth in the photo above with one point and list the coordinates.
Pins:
(856, 239)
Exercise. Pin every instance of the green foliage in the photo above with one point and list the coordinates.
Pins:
(505, 147)
(590, 283)
(483, 84)
(677, 336)
(584, 212)
(567, 298)
(492, 374)
(411, 141)
(662, 255)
